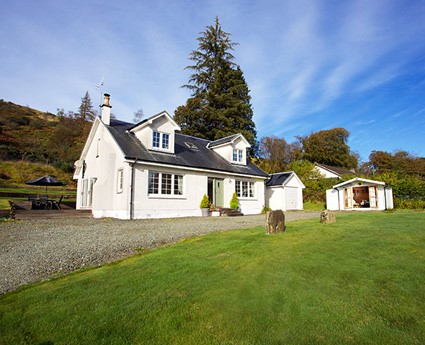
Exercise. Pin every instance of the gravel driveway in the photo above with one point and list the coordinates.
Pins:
(33, 250)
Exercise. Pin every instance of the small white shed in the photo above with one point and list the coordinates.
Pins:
(360, 194)
(284, 191)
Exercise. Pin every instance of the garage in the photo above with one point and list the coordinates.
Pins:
(284, 191)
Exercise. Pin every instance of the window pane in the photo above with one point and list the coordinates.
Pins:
(153, 182)
(155, 140)
(165, 140)
(244, 189)
(239, 155)
(235, 155)
(251, 189)
(238, 188)
(178, 185)
(166, 184)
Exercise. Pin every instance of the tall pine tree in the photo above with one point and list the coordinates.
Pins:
(220, 104)
(86, 111)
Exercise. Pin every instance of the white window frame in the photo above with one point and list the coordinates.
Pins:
(165, 141)
(175, 188)
(242, 186)
(237, 156)
(120, 180)
(154, 141)
(162, 140)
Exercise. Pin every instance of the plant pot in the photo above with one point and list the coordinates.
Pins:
(205, 212)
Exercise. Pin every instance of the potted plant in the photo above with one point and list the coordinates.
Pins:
(205, 206)
(234, 202)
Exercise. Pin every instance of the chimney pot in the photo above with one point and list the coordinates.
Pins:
(106, 110)
(106, 98)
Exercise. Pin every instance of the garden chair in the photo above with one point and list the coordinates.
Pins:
(57, 204)
(43, 203)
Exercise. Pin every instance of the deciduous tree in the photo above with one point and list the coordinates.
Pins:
(329, 147)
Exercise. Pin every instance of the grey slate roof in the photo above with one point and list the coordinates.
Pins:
(278, 179)
(202, 157)
(224, 140)
(336, 170)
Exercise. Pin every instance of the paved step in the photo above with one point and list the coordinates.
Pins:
(230, 212)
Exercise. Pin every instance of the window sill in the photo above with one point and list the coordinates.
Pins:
(166, 196)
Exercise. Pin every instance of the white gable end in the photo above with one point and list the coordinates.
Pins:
(157, 133)
(233, 150)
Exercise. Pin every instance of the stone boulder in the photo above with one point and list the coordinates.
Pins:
(327, 217)
(275, 222)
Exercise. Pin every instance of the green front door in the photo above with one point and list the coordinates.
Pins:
(218, 193)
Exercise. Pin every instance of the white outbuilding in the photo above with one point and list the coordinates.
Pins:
(284, 191)
(360, 194)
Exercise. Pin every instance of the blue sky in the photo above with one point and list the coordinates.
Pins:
(310, 65)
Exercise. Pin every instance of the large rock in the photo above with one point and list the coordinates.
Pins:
(275, 222)
(327, 217)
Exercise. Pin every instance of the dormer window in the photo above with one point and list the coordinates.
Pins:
(156, 139)
(165, 140)
(237, 155)
(160, 140)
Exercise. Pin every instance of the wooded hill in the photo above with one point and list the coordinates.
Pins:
(36, 136)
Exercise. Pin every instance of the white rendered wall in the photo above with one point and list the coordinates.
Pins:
(226, 151)
(325, 173)
(162, 125)
(275, 198)
(251, 205)
(195, 185)
(389, 197)
(103, 159)
(332, 200)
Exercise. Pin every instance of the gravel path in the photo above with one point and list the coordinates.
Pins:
(34, 250)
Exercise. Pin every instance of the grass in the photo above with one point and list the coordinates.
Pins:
(314, 206)
(357, 281)
(39, 190)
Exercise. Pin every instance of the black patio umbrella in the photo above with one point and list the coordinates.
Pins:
(45, 181)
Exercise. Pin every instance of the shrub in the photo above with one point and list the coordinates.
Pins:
(413, 204)
(234, 202)
(265, 209)
(205, 202)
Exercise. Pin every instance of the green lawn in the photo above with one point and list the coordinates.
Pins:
(357, 281)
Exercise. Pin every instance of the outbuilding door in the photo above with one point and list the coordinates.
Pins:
(291, 198)
(373, 197)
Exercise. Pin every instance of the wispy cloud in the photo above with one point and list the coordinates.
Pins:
(310, 65)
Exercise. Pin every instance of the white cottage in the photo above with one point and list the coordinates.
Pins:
(149, 170)
(284, 191)
(360, 194)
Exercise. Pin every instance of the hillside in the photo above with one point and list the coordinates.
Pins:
(32, 135)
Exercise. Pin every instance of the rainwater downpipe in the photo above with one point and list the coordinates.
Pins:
(132, 190)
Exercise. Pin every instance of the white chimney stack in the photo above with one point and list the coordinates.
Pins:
(106, 110)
